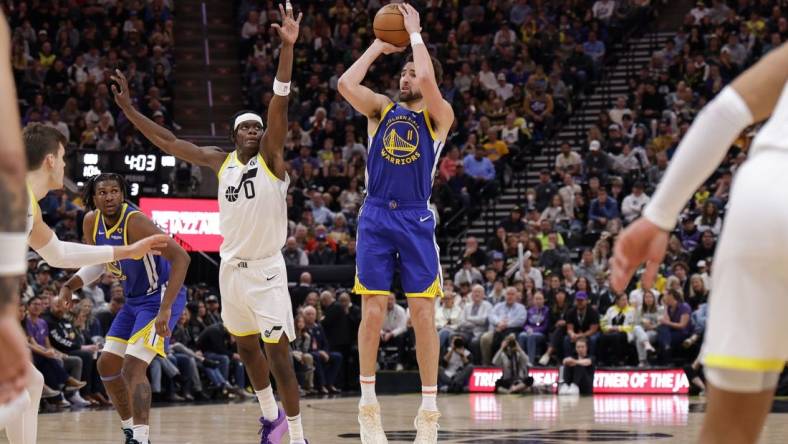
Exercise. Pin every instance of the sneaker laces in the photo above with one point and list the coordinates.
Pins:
(370, 417)
(427, 426)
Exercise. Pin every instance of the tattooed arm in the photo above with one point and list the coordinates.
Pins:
(14, 353)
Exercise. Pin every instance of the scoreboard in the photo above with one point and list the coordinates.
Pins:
(146, 174)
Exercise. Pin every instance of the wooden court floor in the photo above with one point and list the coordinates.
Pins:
(474, 418)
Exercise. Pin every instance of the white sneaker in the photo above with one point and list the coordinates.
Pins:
(370, 424)
(77, 400)
(544, 360)
(426, 424)
(573, 390)
(563, 389)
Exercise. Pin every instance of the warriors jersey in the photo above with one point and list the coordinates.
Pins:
(140, 277)
(403, 155)
(252, 209)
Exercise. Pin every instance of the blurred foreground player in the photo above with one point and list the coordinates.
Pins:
(396, 225)
(44, 149)
(745, 348)
(155, 298)
(19, 380)
(253, 185)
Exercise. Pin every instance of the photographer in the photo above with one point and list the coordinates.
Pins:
(514, 362)
(454, 376)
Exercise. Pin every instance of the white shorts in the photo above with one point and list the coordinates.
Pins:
(255, 298)
(747, 327)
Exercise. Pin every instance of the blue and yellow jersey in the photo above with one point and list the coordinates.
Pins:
(403, 156)
(139, 277)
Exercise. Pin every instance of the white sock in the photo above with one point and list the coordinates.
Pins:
(367, 390)
(141, 433)
(127, 423)
(429, 397)
(295, 429)
(268, 403)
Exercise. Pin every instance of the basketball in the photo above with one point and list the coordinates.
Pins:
(389, 26)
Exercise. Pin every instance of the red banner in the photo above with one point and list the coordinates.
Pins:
(195, 221)
(671, 381)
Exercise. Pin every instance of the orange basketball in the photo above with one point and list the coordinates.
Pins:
(389, 26)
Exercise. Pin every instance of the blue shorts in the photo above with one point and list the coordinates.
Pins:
(391, 234)
(135, 321)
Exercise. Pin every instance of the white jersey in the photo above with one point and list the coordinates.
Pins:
(252, 209)
(774, 133)
(32, 207)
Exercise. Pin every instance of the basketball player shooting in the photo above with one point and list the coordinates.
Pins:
(155, 298)
(396, 226)
(745, 348)
(253, 221)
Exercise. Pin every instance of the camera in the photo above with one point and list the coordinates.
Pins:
(511, 341)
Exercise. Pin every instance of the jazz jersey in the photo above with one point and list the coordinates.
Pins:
(403, 155)
(252, 209)
(32, 210)
(396, 228)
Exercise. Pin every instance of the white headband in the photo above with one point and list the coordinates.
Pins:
(247, 117)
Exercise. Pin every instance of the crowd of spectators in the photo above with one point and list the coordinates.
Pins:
(64, 53)
(544, 272)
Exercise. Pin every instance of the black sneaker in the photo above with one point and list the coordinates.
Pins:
(129, 433)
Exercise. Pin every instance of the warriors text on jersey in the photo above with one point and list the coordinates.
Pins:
(403, 155)
(139, 277)
(252, 209)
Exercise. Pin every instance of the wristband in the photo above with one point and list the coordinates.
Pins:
(12, 261)
(415, 39)
(281, 88)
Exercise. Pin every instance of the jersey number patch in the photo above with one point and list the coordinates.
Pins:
(231, 194)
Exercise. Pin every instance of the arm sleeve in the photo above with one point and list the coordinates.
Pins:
(698, 154)
(90, 274)
(61, 254)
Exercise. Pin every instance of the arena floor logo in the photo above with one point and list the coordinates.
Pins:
(525, 436)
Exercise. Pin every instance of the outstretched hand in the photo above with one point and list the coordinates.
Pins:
(288, 30)
(640, 242)
(120, 89)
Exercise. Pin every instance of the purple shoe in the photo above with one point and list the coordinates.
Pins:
(272, 431)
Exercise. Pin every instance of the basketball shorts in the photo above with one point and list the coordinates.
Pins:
(255, 298)
(133, 331)
(394, 234)
(747, 327)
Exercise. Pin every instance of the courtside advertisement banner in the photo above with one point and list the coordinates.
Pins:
(195, 221)
(671, 381)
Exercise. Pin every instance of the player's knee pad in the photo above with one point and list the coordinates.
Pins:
(741, 381)
(141, 352)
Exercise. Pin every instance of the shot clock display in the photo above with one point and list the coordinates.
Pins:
(147, 174)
